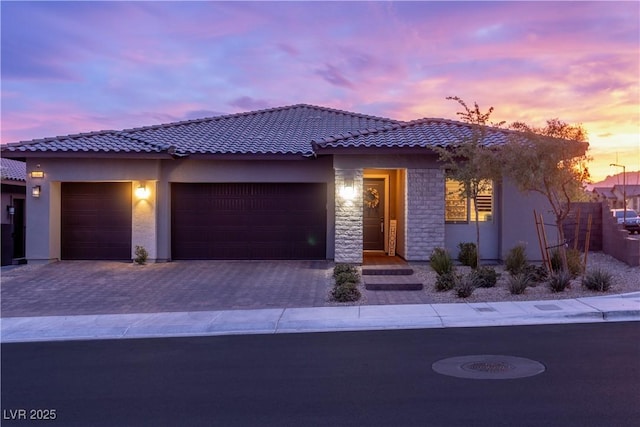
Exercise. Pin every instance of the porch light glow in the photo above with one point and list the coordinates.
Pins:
(348, 191)
(37, 174)
(35, 191)
(142, 192)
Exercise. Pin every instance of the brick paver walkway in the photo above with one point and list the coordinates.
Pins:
(87, 287)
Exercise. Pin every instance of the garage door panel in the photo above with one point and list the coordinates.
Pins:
(96, 221)
(249, 221)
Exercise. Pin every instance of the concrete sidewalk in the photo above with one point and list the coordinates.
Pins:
(624, 307)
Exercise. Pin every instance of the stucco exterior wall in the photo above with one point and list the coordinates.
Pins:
(518, 224)
(151, 218)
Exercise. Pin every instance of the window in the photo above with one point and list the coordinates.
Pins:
(459, 209)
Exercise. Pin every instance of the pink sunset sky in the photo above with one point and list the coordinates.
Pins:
(70, 67)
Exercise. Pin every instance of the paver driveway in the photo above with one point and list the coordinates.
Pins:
(89, 287)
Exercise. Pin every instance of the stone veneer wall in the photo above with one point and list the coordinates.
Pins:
(424, 214)
(349, 218)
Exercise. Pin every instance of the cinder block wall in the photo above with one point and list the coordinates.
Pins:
(424, 214)
(616, 241)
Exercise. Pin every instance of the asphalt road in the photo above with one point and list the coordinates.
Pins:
(592, 378)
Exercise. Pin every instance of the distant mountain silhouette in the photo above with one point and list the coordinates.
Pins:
(633, 178)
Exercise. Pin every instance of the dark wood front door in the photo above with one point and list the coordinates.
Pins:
(373, 205)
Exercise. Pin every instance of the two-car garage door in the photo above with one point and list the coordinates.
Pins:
(248, 221)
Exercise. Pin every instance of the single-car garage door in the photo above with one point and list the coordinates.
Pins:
(248, 221)
(96, 220)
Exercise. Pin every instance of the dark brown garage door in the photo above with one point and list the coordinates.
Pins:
(96, 220)
(249, 221)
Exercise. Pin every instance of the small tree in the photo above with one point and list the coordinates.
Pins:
(550, 160)
(470, 161)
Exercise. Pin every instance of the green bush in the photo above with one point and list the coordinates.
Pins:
(465, 286)
(597, 280)
(141, 255)
(559, 281)
(485, 277)
(516, 260)
(346, 292)
(347, 277)
(343, 268)
(440, 261)
(468, 254)
(446, 281)
(573, 261)
(518, 284)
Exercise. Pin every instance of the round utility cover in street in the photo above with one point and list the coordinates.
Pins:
(488, 367)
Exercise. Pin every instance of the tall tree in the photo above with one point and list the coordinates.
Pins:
(549, 160)
(470, 161)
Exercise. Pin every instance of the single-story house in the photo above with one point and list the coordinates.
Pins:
(606, 194)
(296, 182)
(629, 192)
(12, 210)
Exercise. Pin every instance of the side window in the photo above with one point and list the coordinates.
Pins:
(455, 206)
(460, 210)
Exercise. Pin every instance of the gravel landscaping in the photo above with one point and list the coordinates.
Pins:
(625, 280)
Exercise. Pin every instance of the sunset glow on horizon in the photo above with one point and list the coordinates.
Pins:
(70, 67)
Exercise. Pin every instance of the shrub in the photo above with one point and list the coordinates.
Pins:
(537, 274)
(468, 254)
(346, 292)
(440, 261)
(573, 261)
(597, 280)
(559, 281)
(347, 277)
(516, 260)
(141, 255)
(343, 268)
(518, 284)
(465, 286)
(485, 277)
(446, 281)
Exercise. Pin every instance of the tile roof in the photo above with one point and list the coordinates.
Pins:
(284, 130)
(606, 192)
(422, 133)
(13, 170)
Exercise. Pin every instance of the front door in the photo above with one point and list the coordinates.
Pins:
(373, 205)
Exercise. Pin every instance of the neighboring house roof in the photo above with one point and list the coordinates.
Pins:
(606, 192)
(13, 170)
(422, 133)
(630, 190)
(284, 130)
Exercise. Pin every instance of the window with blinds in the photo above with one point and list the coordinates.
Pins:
(459, 209)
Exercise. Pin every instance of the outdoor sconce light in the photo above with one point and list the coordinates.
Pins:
(11, 210)
(37, 173)
(142, 192)
(348, 191)
(35, 191)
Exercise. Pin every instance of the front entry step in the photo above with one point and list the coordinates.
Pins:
(395, 282)
(386, 270)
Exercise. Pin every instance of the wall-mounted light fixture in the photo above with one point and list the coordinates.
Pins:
(142, 192)
(348, 191)
(36, 190)
(38, 173)
(11, 210)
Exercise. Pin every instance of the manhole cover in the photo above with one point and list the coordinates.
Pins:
(488, 367)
